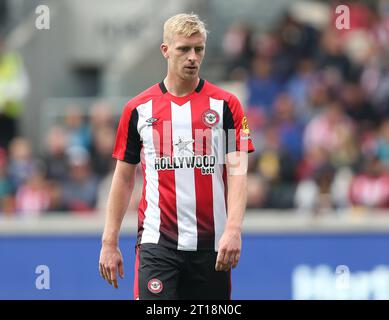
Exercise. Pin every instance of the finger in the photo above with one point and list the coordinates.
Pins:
(227, 266)
(231, 259)
(108, 274)
(115, 284)
(121, 269)
(227, 257)
(228, 260)
(236, 260)
(103, 272)
(219, 259)
(113, 273)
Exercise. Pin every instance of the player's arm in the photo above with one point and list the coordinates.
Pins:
(230, 243)
(111, 260)
(127, 152)
(238, 144)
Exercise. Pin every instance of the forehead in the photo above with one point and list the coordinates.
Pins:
(196, 39)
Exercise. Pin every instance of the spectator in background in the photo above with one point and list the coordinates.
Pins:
(331, 56)
(55, 195)
(296, 40)
(6, 199)
(56, 161)
(101, 116)
(381, 27)
(382, 145)
(313, 195)
(370, 188)
(13, 89)
(238, 50)
(277, 168)
(21, 162)
(104, 140)
(77, 131)
(375, 83)
(298, 88)
(333, 131)
(55, 153)
(375, 68)
(289, 128)
(256, 191)
(317, 99)
(263, 85)
(80, 187)
(314, 158)
(103, 137)
(340, 188)
(356, 105)
(32, 196)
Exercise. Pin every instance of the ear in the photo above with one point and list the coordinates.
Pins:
(164, 49)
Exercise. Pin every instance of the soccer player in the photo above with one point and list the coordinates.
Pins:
(192, 140)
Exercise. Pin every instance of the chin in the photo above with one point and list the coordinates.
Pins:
(190, 76)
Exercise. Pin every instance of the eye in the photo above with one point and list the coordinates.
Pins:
(184, 49)
(199, 49)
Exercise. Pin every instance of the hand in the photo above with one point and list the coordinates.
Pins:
(111, 261)
(229, 250)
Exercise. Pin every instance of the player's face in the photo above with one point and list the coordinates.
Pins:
(185, 55)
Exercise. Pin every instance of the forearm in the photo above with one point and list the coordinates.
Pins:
(237, 188)
(236, 201)
(230, 243)
(118, 200)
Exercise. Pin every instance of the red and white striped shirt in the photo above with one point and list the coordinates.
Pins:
(181, 143)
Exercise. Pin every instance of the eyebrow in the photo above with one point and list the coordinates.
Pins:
(188, 46)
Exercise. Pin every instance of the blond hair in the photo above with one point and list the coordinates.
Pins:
(184, 24)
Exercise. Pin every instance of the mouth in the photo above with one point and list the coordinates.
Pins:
(190, 67)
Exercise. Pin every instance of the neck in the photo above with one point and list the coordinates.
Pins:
(180, 87)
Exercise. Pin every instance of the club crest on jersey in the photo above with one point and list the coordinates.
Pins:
(155, 285)
(210, 118)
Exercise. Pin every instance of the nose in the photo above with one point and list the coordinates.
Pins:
(192, 55)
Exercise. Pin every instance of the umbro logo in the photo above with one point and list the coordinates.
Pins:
(151, 121)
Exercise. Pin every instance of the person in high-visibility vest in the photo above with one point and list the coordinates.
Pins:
(13, 89)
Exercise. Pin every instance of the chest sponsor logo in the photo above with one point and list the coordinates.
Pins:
(205, 163)
(184, 157)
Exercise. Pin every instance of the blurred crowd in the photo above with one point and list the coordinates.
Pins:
(73, 172)
(318, 108)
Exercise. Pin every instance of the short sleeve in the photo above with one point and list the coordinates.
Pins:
(128, 145)
(236, 128)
